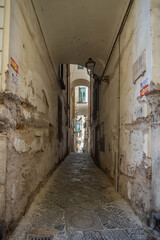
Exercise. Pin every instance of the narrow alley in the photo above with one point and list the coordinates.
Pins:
(79, 202)
(79, 119)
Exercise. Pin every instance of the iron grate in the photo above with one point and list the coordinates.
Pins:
(40, 237)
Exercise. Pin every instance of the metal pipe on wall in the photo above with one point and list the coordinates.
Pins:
(119, 33)
(118, 97)
(118, 120)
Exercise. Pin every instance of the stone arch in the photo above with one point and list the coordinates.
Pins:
(80, 82)
(86, 83)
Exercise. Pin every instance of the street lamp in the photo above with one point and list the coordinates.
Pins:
(90, 65)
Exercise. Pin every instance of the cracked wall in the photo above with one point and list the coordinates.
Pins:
(154, 101)
(3, 139)
(127, 157)
(29, 149)
(1, 34)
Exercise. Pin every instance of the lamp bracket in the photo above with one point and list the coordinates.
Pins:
(105, 79)
(101, 79)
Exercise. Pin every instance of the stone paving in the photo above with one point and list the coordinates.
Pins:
(79, 202)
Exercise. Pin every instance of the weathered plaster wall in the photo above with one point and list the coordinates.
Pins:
(155, 37)
(108, 110)
(154, 101)
(1, 34)
(3, 137)
(135, 155)
(132, 112)
(29, 109)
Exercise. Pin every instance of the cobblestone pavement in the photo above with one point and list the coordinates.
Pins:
(79, 202)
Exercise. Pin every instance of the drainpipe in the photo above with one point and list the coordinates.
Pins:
(98, 125)
(90, 101)
(119, 33)
(90, 118)
(118, 122)
(67, 107)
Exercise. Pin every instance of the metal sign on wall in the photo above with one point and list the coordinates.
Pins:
(139, 67)
(144, 87)
(15, 78)
(14, 65)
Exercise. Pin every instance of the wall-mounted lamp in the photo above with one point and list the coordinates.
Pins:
(90, 65)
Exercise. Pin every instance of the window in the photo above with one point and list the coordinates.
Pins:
(82, 94)
(78, 127)
(80, 67)
(60, 133)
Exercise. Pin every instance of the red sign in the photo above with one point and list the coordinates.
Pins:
(14, 65)
(144, 91)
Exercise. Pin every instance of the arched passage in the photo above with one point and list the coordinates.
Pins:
(80, 110)
(36, 37)
(80, 82)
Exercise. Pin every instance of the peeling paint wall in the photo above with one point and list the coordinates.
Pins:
(127, 155)
(3, 137)
(154, 101)
(1, 34)
(135, 155)
(29, 113)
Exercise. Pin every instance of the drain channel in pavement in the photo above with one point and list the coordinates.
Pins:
(39, 237)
